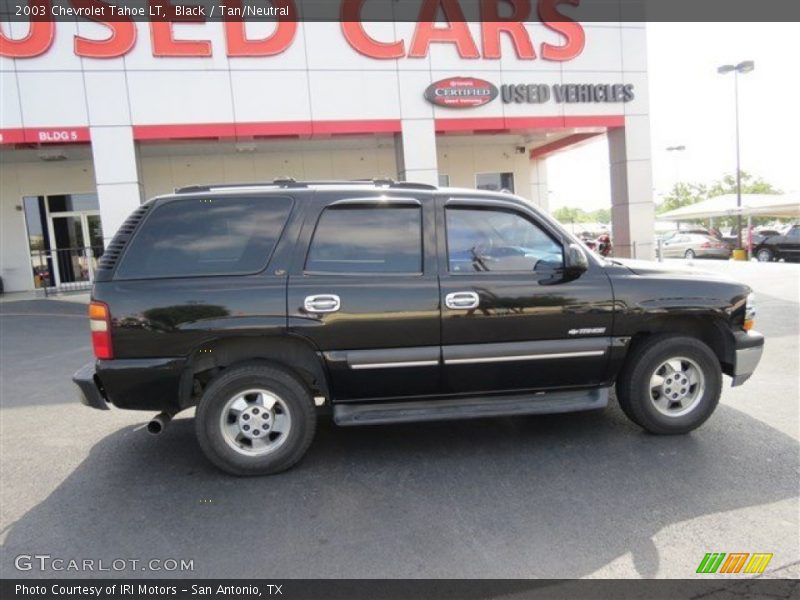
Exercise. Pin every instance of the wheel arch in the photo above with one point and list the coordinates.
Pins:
(713, 332)
(290, 352)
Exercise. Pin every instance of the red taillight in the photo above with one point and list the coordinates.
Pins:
(100, 324)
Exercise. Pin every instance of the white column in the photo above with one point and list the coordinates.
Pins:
(538, 193)
(415, 149)
(116, 169)
(632, 207)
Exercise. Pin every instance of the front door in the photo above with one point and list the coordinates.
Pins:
(76, 240)
(510, 320)
(367, 296)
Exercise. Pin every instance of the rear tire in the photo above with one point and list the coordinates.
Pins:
(764, 255)
(671, 385)
(690, 255)
(255, 420)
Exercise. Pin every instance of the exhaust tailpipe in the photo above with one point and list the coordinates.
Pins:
(159, 423)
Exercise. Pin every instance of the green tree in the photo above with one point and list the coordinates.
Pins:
(750, 185)
(685, 194)
(568, 214)
(601, 215)
(682, 194)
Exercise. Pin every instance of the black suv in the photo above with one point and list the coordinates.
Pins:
(266, 305)
(776, 247)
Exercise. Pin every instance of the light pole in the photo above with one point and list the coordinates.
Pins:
(680, 148)
(743, 67)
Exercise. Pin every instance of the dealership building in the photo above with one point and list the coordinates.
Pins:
(95, 118)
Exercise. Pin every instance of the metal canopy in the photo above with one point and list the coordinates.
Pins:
(772, 205)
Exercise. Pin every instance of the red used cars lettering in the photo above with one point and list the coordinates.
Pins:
(118, 43)
(39, 39)
(164, 44)
(492, 26)
(358, 39)
(238, 44)
(572, 31)
(453, 32)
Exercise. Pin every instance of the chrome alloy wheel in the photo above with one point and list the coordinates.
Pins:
(677, 386)
(255, 422)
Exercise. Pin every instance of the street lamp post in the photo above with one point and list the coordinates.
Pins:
(743, 67)
(680, 148)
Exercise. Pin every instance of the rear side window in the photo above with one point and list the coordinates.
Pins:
(367, 240)
(206, 236)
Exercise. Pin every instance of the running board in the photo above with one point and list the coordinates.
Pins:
(376, 413)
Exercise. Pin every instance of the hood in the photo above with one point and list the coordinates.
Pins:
(647, 267)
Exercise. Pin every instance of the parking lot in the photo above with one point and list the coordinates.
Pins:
(559, 496)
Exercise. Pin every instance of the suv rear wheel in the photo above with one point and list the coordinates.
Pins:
(764, 255)
(671, 386)
(255, 420)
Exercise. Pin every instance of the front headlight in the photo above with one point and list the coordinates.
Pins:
(750, 312)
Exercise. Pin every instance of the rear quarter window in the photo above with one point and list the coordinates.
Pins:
(206, 236)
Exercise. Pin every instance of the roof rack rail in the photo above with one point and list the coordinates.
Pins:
(412, 185)
(290, 182)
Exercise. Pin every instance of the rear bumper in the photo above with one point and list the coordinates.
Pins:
(89, 392)
(134, 384)
(749, 347)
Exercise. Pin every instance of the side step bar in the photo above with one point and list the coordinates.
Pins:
(376, 413)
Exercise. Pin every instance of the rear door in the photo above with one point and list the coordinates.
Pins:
(511, 321)
(364, 290)
(789, 244)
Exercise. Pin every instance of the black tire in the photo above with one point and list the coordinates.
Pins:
(293, 394)
(633, 384)
(689, 254)
(765, 255)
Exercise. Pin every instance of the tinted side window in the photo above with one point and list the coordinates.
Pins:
(497, 240)
(217, 236)
(367, 240)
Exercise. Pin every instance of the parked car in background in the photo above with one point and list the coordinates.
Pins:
(678, 232)
(776, 247)
(695, 245)
(762, 234)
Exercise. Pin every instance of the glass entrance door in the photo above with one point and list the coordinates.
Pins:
(77, 240)
(65, 237)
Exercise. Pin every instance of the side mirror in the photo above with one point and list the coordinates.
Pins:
(575, 260)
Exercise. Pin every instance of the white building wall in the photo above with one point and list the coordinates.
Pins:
(319, 83)
(18, 180)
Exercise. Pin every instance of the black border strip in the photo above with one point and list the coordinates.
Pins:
(586, 11)
(404, 589)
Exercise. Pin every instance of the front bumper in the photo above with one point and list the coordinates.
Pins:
(89, 392)
(749, 347)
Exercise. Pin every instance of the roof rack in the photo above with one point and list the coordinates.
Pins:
(290, 182)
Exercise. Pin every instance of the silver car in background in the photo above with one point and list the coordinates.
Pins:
(694, 245)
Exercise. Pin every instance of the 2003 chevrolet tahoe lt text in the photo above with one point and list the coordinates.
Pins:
(269, 305)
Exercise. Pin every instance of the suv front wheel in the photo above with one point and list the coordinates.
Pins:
(671, 385)
(255, 420)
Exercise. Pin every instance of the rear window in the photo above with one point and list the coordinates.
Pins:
(367, 240)
(206, 236)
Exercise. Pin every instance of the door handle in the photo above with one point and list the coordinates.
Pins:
(462, 300)
(322, 303)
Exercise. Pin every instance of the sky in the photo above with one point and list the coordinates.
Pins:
(693, 106)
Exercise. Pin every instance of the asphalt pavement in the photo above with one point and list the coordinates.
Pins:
(557, 496)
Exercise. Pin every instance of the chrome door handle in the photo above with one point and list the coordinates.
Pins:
(322, 303)
(462, 300)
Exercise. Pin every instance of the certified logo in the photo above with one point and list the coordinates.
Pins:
(461, 92)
